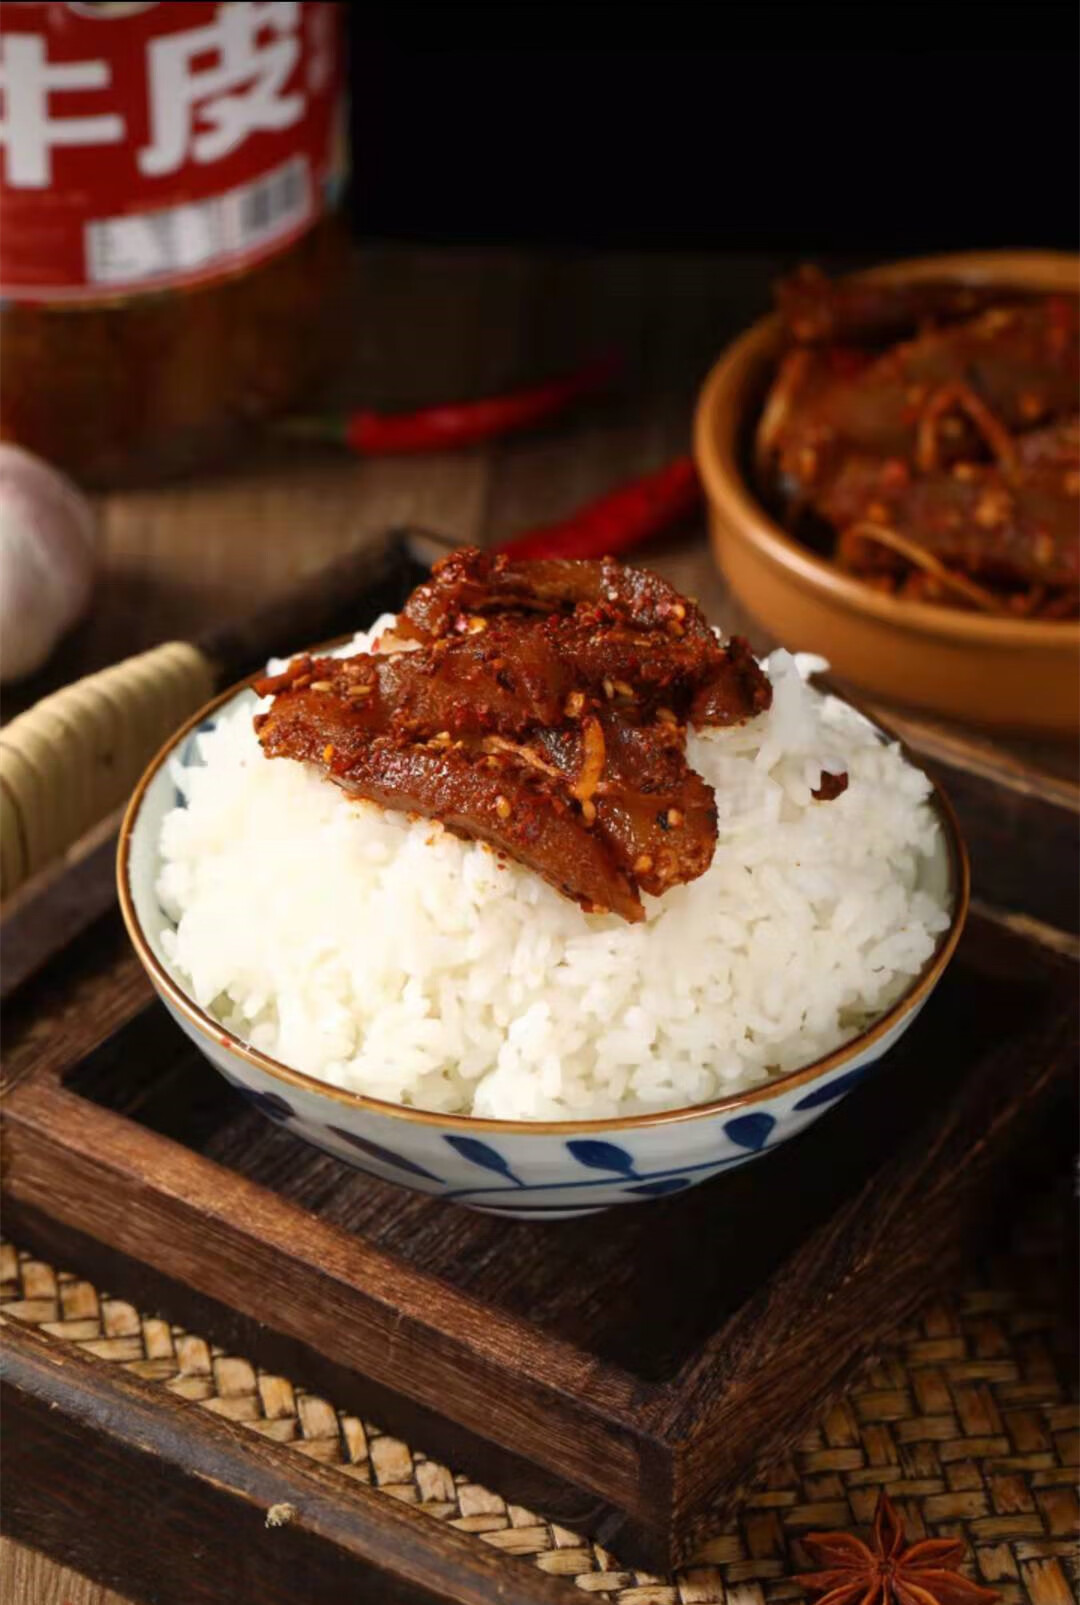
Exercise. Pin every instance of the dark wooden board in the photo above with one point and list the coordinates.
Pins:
(622, 1373)
(143, 1492)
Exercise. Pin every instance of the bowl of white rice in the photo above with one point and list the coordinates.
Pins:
(441, 1017)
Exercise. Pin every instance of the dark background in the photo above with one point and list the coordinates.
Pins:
(800, 130)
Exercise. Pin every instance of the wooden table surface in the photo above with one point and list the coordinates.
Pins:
(420, 326)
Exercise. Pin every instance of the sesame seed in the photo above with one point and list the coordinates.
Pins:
(321, 685)
(609, 689)
(588, 812)
(328, 752)
(643, 864)
(666, 716)
(502, 807)
(476, 625)
(574, 704)
(674, 818)
(623, 689)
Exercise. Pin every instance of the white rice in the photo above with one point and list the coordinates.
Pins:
(381, 954)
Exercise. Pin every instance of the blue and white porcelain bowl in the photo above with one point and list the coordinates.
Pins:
(533, 1170)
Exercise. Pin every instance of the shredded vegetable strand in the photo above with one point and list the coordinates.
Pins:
(592, 764)
(919, 558)
(779, 402)
(524, 754)
(961, 396)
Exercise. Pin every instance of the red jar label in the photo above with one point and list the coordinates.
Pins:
(148, 146)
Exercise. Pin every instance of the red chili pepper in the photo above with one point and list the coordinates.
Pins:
(460, 424)
(623, 518)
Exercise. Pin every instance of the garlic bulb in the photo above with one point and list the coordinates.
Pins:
(47, 544)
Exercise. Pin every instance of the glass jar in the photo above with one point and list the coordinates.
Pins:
(168, 245)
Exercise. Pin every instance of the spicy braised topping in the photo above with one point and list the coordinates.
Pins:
(816, 310)
(945, 468)
(541, 707)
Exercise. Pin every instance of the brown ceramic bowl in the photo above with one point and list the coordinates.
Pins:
(1016, 674)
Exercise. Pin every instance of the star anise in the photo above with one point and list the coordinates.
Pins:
(890, 1573)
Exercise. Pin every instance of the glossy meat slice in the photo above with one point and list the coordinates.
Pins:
(657, 815)
(482, 796)
(953, 393)
(803, 377)
(466, 686)
(468, 583)
(651, 814)
(657, 812)
(548, 720)
(735, 690)
(516, 674)
(817, 310)
(1018, 529)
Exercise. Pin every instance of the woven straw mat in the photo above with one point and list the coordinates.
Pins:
(968, 1418)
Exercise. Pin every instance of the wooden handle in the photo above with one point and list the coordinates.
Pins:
(77, 754)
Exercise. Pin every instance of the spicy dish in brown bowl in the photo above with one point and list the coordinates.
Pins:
(892, 464)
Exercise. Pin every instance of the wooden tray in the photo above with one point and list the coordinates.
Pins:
(622, 1374)
(625, 1374)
